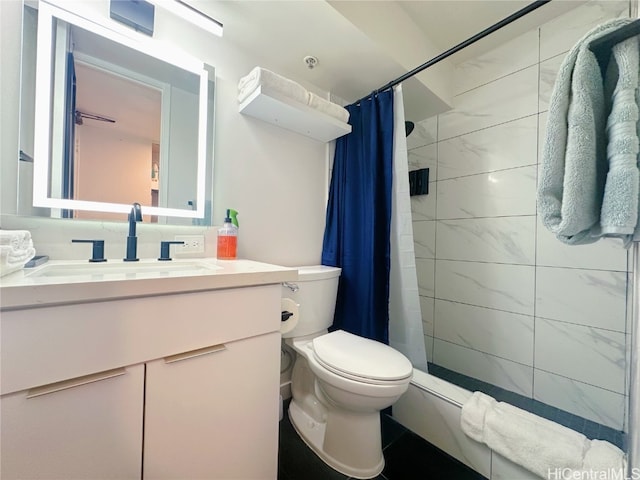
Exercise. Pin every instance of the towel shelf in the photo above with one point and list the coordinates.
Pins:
(273, 107)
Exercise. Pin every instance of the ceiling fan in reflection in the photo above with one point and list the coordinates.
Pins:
(90, 116)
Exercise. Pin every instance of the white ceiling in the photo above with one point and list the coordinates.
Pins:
(351, 63)
(450, 22)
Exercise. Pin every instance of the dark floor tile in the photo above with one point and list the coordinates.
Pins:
(391, 430)
(404, 452)
(296, 461)
(411, 457)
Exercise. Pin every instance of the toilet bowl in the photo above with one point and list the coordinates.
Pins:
(340, 381)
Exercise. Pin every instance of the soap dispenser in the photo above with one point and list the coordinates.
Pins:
(228, 237)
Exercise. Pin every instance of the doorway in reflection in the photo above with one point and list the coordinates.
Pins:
(117, 133)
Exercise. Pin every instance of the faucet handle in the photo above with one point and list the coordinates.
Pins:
(97, 254)
(164, 249)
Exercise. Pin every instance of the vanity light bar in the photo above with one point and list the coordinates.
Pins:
(187, 12)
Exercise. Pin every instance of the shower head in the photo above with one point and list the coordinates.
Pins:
(408, 127)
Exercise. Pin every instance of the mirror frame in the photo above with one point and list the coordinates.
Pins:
(47, 13)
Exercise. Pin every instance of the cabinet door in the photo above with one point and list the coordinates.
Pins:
(213, 413)
(85, 428)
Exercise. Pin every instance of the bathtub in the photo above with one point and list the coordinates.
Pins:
(431, 408)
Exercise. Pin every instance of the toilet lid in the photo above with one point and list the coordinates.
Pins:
(352, 356)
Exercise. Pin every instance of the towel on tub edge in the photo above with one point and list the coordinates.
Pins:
(535, 443)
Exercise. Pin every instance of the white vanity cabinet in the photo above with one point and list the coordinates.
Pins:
(180, 385)
(86, 428)
(183, 439)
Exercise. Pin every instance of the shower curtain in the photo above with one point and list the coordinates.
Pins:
(405, 318)
(369, 231)
(356, 236)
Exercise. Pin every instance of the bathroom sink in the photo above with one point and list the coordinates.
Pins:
(119, 268)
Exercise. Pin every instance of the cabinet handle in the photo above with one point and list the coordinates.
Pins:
(74, 382)
(195, 353)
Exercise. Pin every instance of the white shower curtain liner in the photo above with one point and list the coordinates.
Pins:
(405, 319)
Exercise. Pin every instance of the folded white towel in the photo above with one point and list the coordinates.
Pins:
(535, 443)
(261, 76)
(330, 108)
(14, 259)
(473, 414)
(17, 239)
(16, 249)
(603, 461)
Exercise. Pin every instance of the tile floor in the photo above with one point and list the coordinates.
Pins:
(407, 456)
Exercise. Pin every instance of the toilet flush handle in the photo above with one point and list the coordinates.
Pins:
(291, 286)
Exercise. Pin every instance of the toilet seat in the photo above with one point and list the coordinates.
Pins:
(361, 359)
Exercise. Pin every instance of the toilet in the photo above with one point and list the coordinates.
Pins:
(340, 381)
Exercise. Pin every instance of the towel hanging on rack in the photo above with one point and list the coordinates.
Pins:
(619, 213)
(576, 152)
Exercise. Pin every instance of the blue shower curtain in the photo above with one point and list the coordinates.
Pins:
(358, 222)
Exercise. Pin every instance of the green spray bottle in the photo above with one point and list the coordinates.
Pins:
(228, 237)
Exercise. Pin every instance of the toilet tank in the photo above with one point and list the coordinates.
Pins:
(316, 295)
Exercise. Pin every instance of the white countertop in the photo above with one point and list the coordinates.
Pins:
(34, 287)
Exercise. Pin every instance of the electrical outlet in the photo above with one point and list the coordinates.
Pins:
(192, 244)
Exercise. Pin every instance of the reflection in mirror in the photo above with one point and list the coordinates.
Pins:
(115, 122)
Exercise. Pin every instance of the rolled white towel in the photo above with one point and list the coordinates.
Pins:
(537, 444)
(261, 76)
(16, 239)
(533, 442)
(10, 256)
(473, 414)
(330, 108)
(12, 259)
(603, 461)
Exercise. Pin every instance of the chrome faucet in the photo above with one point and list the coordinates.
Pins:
(135, 215)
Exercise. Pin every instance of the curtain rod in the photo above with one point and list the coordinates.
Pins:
(514, 16)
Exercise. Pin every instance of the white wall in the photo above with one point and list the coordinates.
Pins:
(276, 179)
(502, 300)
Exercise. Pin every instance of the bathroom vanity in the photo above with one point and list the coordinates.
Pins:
(150, 372)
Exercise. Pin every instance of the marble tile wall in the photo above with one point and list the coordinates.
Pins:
(502, 300)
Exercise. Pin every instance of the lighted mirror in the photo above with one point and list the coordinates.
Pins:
(117, 119)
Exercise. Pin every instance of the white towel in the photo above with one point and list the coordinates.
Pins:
(261, 76)
(473, 414)
(17, 239)
(330, 108)
(603, 461)
(535, 443)
(16, 249)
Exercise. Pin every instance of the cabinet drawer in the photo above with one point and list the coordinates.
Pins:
(46, 345)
